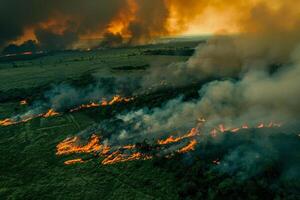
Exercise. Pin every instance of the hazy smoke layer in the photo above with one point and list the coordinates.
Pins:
(267, 40)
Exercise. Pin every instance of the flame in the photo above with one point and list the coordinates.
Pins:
(222, 128)
(131, 152)
(73, 161)
(26, 53)
(23, 102)
(11, 121)
(129, 146)
(104, 102)
(120, 24)
(117, 157)
(70, 145)
(245, 126)
(234, 130)
(193, 132)
(216, 162)
(190, 147)
(50, 113)
(213, 132)
(6, 122)
(91, 105)
(261, 125)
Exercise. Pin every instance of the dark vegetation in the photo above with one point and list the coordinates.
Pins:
(128, 67)
(197, 177)
(171, 52)
(28, 46)
(21, 57)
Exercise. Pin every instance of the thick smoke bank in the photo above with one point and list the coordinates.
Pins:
(28, 46)
(61, 24)
(268, 39)
(58, 18)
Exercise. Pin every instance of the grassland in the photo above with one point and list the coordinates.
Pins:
(29, 167)
(31, 170)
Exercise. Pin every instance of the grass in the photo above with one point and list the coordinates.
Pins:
(57, 67)
(31, 170)
(29, 167)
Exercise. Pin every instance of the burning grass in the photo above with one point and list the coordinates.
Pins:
(172, 144)
(51, 112)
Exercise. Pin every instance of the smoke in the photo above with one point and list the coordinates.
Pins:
(254, 94)
(50, 40)
(65, 97)
(111, 40)
(28, 46)
(62, 24)
(251, 92)
(267, 39)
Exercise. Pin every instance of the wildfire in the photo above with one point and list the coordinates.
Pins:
(6, 122)
(221, 128)
(23, 102)
(130, 152)
(216, 162)
(73, 161)
(117, 157)
(104, 102)
(193, 132)
(50, 113)
(12, 121)
(27, 53)
(70, 145)
(190, 147)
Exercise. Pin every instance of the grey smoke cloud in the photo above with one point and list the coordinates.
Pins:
(267, 38)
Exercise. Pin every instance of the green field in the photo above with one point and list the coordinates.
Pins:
(29, 167)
